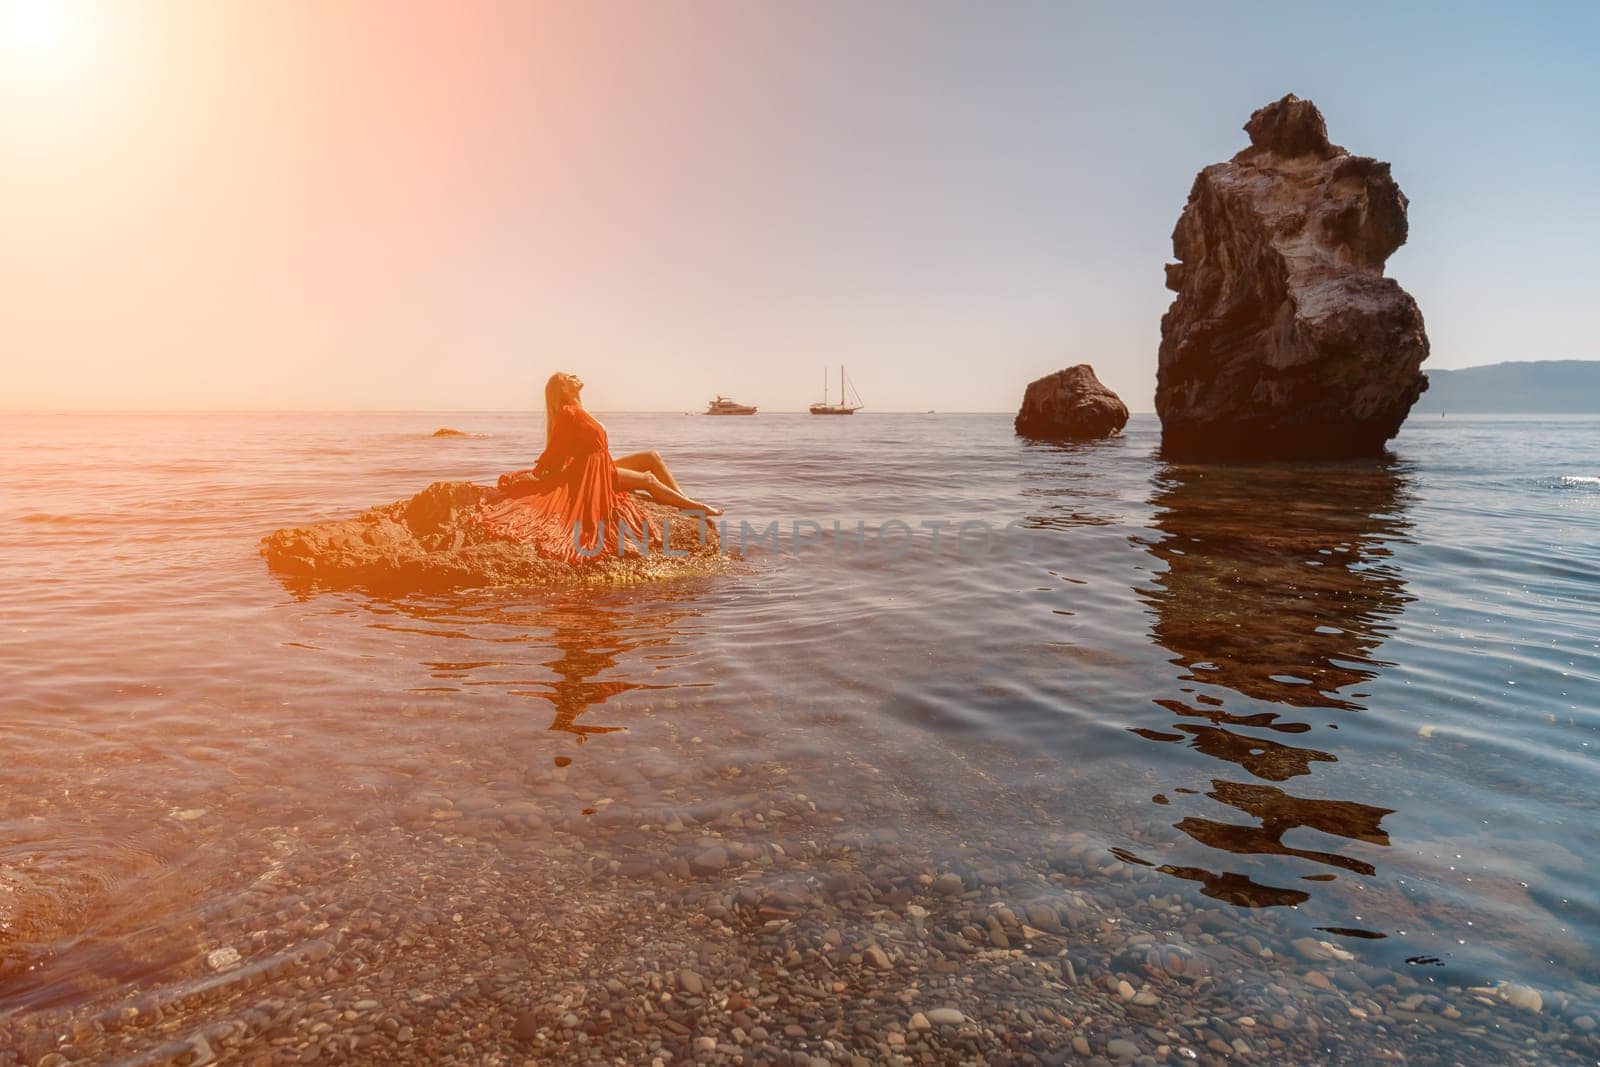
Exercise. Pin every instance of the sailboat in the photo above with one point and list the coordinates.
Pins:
(843, 407)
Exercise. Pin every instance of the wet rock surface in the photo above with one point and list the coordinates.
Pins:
(1070, 403)
(428, 543)
(1285, 339)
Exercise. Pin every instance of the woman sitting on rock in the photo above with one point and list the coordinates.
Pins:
(576, 497)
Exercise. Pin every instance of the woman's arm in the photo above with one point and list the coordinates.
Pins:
(519, 483)
(557, 454)
(559, 451)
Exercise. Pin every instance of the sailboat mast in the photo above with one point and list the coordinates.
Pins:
(842, 401)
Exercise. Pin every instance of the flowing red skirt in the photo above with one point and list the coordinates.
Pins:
(582, 514)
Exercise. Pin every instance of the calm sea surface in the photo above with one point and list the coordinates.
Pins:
(1355, 701)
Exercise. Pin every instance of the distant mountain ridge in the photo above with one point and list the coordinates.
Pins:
(1537, 387)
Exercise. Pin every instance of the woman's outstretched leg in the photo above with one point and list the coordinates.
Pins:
(660, 493)
(650, 463)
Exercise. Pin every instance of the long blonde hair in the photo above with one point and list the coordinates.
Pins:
(554, 395)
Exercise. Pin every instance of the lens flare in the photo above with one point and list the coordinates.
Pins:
(40, 33)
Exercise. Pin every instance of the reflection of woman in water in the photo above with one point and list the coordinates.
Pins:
(576, 484)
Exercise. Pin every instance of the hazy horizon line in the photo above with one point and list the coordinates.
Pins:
(23, 410)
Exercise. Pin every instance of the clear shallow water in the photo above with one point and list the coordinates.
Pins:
(1354, 700)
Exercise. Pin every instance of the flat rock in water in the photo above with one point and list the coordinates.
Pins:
(429, 544)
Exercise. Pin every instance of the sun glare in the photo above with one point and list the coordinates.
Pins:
(40, 32)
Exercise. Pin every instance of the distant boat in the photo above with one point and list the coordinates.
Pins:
(723, 406)
(843, 407)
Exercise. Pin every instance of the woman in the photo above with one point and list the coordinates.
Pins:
(576, 496)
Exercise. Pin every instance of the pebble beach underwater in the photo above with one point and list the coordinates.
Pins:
(1272, 762)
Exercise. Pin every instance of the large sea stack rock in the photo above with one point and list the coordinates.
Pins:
(1286, 340)
(1070, 403)
(429, 544)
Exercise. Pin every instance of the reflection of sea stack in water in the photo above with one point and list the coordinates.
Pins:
(1285, 338)
(1070, 403)
(1278, 581)
(429, 543)
(1277, 587)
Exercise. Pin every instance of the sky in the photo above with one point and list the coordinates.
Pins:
(431, 205)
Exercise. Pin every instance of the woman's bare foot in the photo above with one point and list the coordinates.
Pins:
(657, 490)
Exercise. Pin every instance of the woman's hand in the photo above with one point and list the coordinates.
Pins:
(520, 483)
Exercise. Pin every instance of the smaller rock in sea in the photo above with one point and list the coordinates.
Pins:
(1070, 403)
(949, 885)
(445, 431)
(946, 1017)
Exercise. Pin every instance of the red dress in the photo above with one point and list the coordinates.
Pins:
(572, 497)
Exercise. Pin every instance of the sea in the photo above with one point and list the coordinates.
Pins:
(1356, 702)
